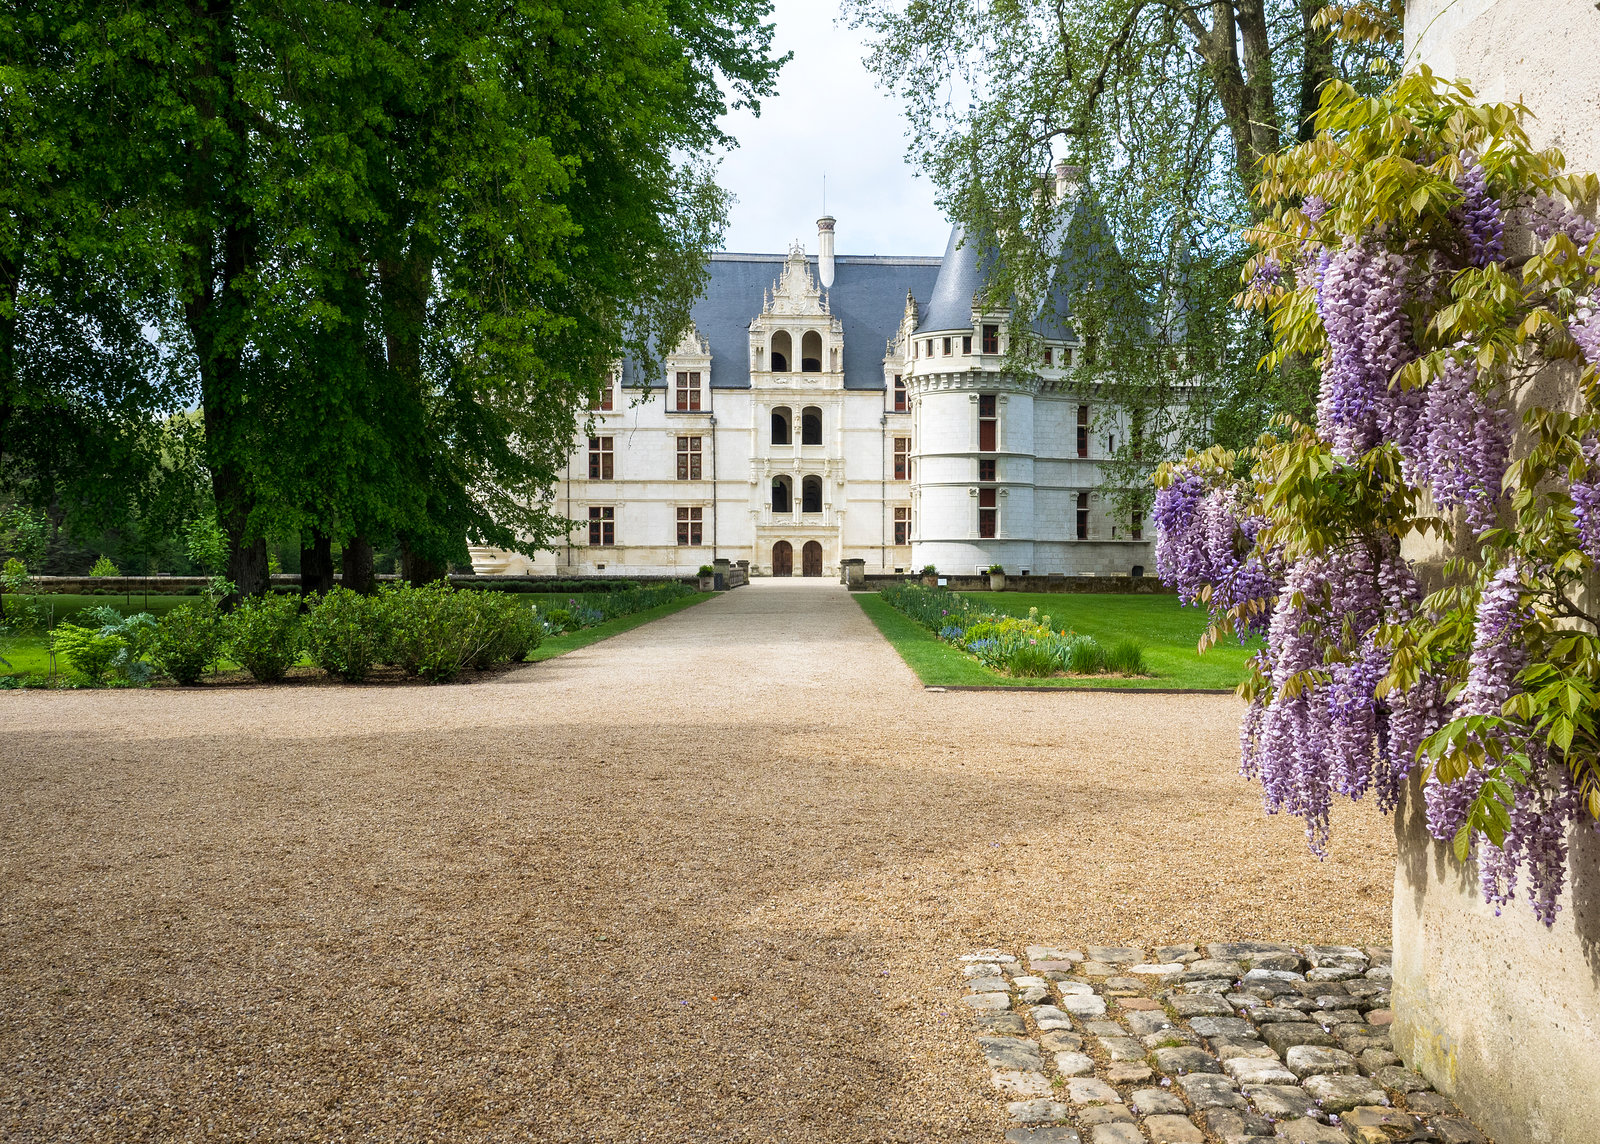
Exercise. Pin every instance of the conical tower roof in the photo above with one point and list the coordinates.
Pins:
(962, 275)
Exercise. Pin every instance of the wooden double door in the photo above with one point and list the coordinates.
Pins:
(783, 559)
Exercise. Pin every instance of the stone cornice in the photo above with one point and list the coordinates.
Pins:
(972, 381)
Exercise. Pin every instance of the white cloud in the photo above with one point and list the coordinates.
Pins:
(827, 116)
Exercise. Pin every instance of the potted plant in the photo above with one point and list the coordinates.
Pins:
(997, 578)
(930, 576)
(708, 577)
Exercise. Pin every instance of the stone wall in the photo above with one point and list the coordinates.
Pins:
(191, 585)
(1143, 585)
(1498, 1012)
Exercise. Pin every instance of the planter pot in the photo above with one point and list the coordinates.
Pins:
(1498, 1012)
(930, 581)
(997, 581)
(708, 583)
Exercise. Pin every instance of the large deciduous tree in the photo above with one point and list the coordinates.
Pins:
(1168, 109)
(82, 389)
(396, 247)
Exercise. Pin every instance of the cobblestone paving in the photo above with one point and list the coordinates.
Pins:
(1227, 1043)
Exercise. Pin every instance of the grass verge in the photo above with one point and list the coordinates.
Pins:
(572, 641)
(1168, 632)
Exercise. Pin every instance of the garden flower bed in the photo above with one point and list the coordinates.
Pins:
(1015, 645)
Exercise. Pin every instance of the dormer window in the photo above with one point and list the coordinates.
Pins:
(991, 339)
(688, 398)
(901, 401)
(782, 347)
(1049, 356)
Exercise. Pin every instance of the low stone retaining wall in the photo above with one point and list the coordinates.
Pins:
(1142, 585)
(180, 585)
(1498, 1012)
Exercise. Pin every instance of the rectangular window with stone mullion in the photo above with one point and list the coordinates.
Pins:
(690, 522)
(1083, 516)
(688, 397)
(902, 525)
(988, 514)
(688, 458)
(600, 459)
(602, 525)
(988, 423)
(902, 458)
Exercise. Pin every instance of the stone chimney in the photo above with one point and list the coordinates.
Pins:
(1067, 179)
(825, 251)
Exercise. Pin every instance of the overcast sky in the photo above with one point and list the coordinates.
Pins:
(827, 116)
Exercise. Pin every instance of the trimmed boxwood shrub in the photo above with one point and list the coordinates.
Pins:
(435, 631)
(515, 630)
(188, 641)
(346, 633)
(264, 637)
(554, 587)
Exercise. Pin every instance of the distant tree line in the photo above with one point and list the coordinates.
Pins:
(344, 272)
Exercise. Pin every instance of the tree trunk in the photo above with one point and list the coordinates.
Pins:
(357, 566)
(316, 565)
(405, 284)
(222, 250)
(247, 555)
(1316, 68)
(417, 569)
(1218, 46)
(1256, 49)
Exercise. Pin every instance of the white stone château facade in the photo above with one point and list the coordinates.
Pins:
(826, 409)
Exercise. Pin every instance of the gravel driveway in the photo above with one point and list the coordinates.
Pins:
(700, 882)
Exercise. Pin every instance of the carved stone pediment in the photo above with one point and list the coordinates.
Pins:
(797, 291)
(690, 346)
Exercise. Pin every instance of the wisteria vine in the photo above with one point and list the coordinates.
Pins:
(1431, 262)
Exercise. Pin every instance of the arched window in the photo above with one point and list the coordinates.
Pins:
(781, 433)
(811, 425)
(811, 352)
(811, 494)
(782, 494)
(782, 350)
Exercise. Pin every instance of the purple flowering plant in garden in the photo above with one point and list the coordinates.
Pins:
(1422, 559)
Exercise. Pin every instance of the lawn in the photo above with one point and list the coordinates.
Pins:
(30, 655)
(1168, 632)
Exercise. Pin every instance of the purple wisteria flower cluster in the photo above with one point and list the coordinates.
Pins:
(1207, 539)
(1586, 503)
(1319, 730)
(1482, 222)
(1327, 716)
(1361, 297)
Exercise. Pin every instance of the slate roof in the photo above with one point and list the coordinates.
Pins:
(1088, 253)
(868, 297)
(962, 271)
